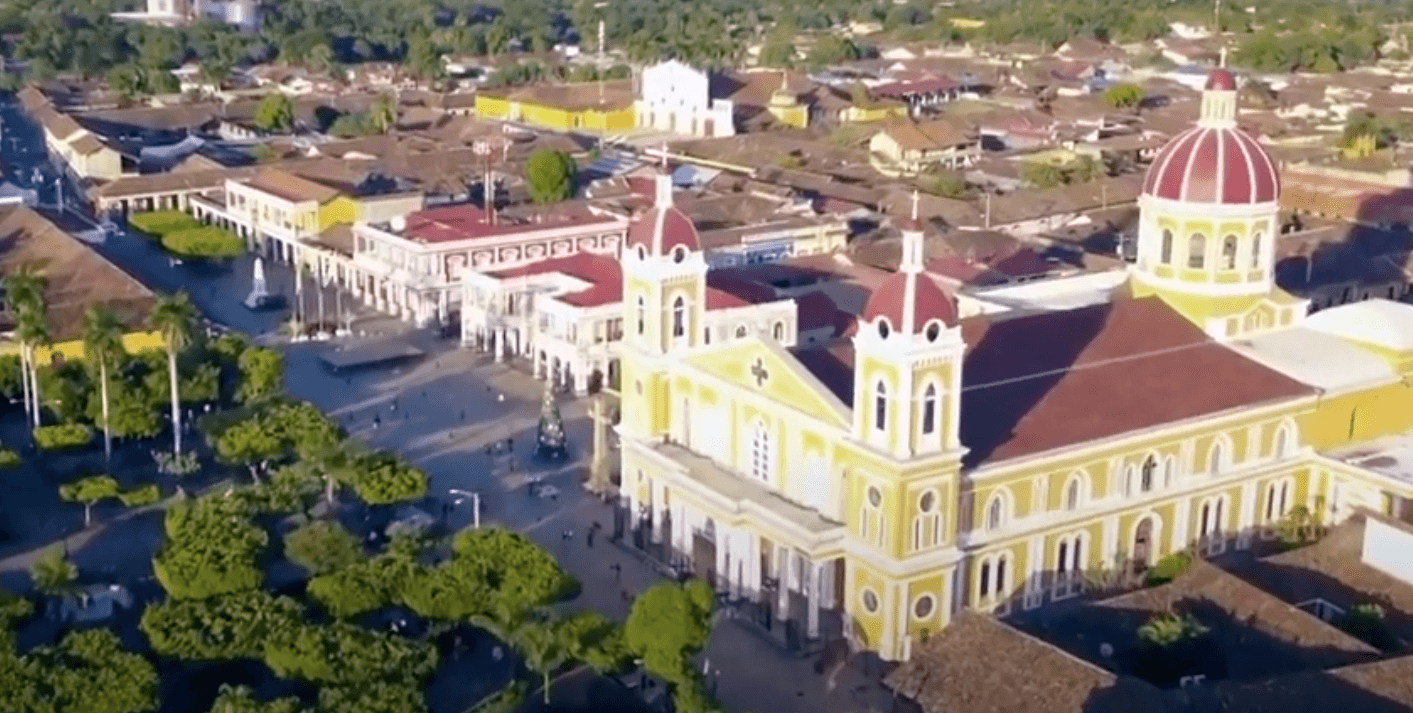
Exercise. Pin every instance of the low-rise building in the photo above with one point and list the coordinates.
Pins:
(676, 97)
(908, 148)
(81, 152)
(606, 106)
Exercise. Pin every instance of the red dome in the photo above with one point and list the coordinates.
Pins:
(1221, 80)
(929, 301)
(1218, 165)
(660, 230)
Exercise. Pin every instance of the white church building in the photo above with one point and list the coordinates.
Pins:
(676, 98)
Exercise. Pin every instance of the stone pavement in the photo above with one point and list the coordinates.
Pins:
(749, 673)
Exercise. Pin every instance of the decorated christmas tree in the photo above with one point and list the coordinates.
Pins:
(549, 443)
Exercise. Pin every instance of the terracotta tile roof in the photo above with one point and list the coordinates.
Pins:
(88, 144)
(927, 135)
(603, 272)
(815, 310)
(612, 95)
(1047, 381)
(464, 221)
(1333, 569)
(76, 275)
(290, 187)
(980, 665)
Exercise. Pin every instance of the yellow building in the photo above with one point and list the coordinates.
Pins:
(933, 464)
(587, 106)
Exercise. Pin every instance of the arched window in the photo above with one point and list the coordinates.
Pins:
(1256, 251)
(679, 317)
(1062, 560)
(1277, 501)
(1130, 476)
(1072, 494)
(642, 313)
(985, 579)
(760, 452)
(1282, 445)
(1196, 251)
(741, 332)
(929, 410)
(1166, 256)
(880, 406)
(1145, 479)
(1229, 252)
(927, 525)
(1002, 564)
(995, 513)
(778, 331)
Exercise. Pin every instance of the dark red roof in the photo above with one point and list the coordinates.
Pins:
(1214, 165)
(1047, 381)
(465, 221)
(660, 230)
(815, 310)
(933, 301)
(721, 299)
(603, 272)
(1221, 80)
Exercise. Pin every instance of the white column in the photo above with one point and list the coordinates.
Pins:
(581, 376)
(783, 556)
(1035, 568)
(814, 574)
(1111, 541)
(679, 528)
(1181, 514)
(500, 344)
(827, 591)
(1248, 515)
(724, 555)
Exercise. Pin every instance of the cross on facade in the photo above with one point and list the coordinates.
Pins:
(759, 371)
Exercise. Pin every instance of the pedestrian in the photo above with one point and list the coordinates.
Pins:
(488, 450)
(510, 444)
(463, 417)
(589, 537)
(617, 572)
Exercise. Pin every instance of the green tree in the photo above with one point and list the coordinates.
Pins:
(320, 59)
(131, 411)
(383, 115)
(174, 317)
(322, 546)
(90, 491)
(551, 175)
(221, 628)
(948, 184)
(211, 549)
(262, 374)
(382, 479)
(102, 343)
(89, 671)
(275, 113)
(52, 572)
(363, 587)
(668, 624)
(527, 576)
(543, 647)
(1042, 174)
(253, 443)
(241, 699)
(1124, 96)
(66, 388)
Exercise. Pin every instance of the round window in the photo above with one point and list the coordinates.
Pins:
(922, 608)
(875, 498)
(883, 328)
(870, 601)
(934, 330)
(927, 502)
(679, 254)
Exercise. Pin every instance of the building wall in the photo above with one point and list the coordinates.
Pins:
(133, 342)
(381, 209)
(340, 210)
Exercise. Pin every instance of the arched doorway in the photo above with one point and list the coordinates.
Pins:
(1143, 544)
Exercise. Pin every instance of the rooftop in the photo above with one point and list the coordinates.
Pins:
(1322, 360)
(609, 95)
(76, 275)
(290, 187)
(1379, 323)
(464, 221)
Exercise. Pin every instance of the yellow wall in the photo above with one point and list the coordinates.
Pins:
(795, 116)
(340, 210)
(133, 342)
(555, 118)
(492, 107)
(1345, 419)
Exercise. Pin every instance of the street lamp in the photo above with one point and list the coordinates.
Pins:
(475, 504)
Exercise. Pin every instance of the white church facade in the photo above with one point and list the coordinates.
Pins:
(676, 98)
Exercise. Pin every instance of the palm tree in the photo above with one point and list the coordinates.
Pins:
(33, 330)
(175, 317)
(542, 644)
(102, 340)
(23, 291)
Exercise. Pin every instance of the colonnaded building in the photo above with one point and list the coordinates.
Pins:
(934, 463)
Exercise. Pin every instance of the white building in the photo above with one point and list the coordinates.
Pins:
(244, 14)
(676, 98)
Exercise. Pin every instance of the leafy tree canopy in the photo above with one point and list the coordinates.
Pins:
(668, 625)
(322, 546)
(551, 175)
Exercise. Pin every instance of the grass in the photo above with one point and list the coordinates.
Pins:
(157, 224)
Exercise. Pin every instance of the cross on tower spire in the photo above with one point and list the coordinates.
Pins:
(1222, 58)
(915, 198)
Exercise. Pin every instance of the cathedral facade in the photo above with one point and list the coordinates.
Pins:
(932, 463)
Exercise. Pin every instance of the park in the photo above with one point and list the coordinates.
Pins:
(182, 527)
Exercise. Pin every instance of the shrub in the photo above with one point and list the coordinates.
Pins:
(1366, 621)
(159, 223)
(169, 464)
(1169, 629)
(1169, 568)
(52, 572)
(141, 496)
(322, 546)
(203, 242)
(8, 458)
(63, 436)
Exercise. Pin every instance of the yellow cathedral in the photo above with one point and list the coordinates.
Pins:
(931, 463)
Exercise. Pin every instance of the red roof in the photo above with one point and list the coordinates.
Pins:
(1221, 80)
(464, 221)
(815, 310)
(659, 230)
(603, 272)
(931, 301)
(1214, 165)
